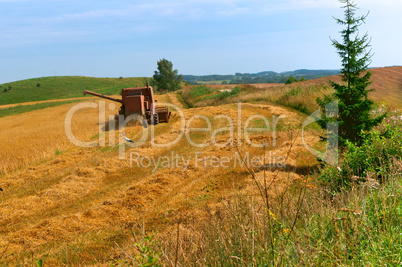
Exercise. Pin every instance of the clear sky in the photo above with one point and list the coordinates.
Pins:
(105, 38)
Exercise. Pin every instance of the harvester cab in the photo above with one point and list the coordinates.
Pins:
(139, 101)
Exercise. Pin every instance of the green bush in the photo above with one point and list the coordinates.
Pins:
(375, 158)
(200, 90)
(290, 80)
(236, 90)
(204, 95)
(225, 94)
(377, 153)
(295, 91)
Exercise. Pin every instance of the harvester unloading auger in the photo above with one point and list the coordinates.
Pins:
(140, 101)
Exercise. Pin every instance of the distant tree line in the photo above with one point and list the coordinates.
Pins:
(261, 77)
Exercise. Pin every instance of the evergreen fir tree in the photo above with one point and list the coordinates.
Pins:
(354, 107)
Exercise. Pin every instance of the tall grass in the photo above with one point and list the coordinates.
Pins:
(359, 227)
(298, 97)
(375, 160)
(202, 95)
(301, 225)
(295, 96)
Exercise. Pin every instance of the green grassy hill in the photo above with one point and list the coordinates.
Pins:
(61, 87)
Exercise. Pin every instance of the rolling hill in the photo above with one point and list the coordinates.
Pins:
(62, 87)
(387, 85)
(260, 77)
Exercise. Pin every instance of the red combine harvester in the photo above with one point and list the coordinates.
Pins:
(140, 101)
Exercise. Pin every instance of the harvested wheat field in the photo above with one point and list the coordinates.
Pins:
(74, 205)
(386, 82)
(39, 102)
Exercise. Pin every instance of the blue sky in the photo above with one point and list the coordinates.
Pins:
(126, 38)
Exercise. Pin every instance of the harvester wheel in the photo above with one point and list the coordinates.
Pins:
(155, 117)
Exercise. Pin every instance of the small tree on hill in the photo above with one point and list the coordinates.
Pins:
(354, 114)
(290, 80)
(166, 78)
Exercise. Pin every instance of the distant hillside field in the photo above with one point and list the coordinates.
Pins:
(300, 96)
(386, 82)
(62, 87)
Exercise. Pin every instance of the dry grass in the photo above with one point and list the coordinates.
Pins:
(69, 205)
(292, 224)
(298, 96)
(39, 135)
(253, 217)
(386, 82)
(79, 205)
(302, 96)
(41, 102)
(76, 206)
(35, 136)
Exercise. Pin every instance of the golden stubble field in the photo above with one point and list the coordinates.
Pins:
(69, 204)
